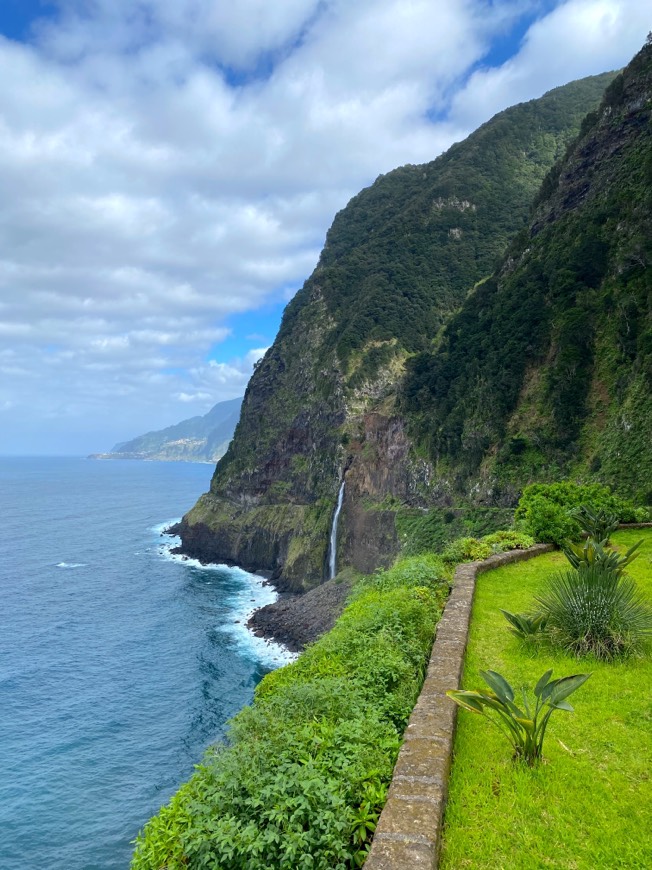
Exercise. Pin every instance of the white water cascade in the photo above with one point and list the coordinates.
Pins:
(332, 556)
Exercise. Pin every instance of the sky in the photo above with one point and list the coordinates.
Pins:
(168, 172)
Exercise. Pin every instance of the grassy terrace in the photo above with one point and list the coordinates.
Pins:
(589, 805)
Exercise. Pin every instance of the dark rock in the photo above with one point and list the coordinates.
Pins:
(296, 620)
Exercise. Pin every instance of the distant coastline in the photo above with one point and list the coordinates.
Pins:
(197, 439)
(142, 457)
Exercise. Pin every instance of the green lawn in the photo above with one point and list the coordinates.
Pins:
(589, 804)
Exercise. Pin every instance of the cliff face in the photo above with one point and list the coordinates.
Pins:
(398, 262)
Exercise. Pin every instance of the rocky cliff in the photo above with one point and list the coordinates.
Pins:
(398, 263)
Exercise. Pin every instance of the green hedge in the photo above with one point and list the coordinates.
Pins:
(543, 510)
(474, 549)
(303, 777)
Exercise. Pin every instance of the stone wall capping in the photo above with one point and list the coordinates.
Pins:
(408, 835)
(390, 853)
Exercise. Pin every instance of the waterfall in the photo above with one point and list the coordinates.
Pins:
(332, 556)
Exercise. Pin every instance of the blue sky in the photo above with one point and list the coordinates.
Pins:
(168, 172)
(16, 17)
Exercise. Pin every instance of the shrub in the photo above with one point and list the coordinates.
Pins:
(474, 549)
(288, 799)
(547, 521)
(536, 508)
(303, 777)
(466, 550)
(510, 539)
(525, 728)
(595, 609)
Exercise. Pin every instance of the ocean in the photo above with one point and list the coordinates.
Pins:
(119, 663)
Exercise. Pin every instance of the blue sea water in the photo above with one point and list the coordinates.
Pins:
(119, 663)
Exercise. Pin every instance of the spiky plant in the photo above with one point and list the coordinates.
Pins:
(593, 552)
(597, 523)
(596, 609)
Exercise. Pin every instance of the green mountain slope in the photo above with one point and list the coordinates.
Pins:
(547, 369)
(399, 261)
(198, 439)
(404, 252)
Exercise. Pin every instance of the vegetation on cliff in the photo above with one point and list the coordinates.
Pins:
(547, 368)
(404, 253)
(304, 775)
(398, 261)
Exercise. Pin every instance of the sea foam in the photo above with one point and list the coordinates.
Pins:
(254, 592)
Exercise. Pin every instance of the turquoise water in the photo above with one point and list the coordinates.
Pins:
(119, 664)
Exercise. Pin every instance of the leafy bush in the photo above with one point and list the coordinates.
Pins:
(466, 550)
(303, 777)
(524, 728)
(474, 549)
(595, 609)
(574, 495)
(548, 522)
(510, 539)
(546, 511)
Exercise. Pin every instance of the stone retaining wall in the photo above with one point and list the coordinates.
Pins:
(408, 835)
(635, 526)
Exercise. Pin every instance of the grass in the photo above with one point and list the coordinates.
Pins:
(589, 805)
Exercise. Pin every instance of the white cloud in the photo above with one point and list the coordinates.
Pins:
(255, 355)
(234, 34)
(164, 166)
(194, 397)
(563, 46)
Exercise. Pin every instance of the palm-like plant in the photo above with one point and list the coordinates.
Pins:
(525, 625)
(596, 522)
(593, 552)
(596, 609)
(524, 728)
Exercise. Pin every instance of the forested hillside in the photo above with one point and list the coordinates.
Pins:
(547, 369)
(405, 251)
(398, 262)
